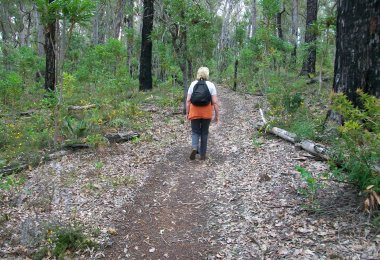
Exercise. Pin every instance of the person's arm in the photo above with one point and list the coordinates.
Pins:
(215, 102)
(188, 106)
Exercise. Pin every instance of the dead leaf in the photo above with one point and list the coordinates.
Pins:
(112, 231)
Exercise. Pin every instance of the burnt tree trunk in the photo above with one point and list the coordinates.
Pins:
(145, 76)
(310, 38)
(357, 61)
(50, 41)
(235, 74)
(280, 34)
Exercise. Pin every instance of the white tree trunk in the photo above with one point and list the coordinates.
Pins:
(40, 33)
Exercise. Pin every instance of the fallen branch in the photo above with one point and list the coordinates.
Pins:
(314, 80)
(121, 137)
(76, 108)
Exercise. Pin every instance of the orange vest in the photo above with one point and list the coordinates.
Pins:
(198, 112)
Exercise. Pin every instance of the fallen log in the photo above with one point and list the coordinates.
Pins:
(76, 146)
(308, 145)
(76, 108)
(8, 170)
(121, 137)
(314, 149)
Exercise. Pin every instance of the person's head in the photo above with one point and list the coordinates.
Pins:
(203, 73)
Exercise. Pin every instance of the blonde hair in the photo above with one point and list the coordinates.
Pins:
(203, 73)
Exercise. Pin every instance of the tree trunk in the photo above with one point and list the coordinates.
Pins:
(40, 33)
(25, 21)
(145, 76)
(310, 38)
(357, 61)
(280, 34)
(294, 29)
(254, 18)
(119, 20)
(5, 34)
(50, 43)
(235, 74)
(224, 37)
(130, 36)
(95, 27)
(102, 25)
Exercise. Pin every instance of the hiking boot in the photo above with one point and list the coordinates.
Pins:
(192, 155)
(203, 157)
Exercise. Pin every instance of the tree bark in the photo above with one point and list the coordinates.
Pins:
(310, 38)
(145, 76)
(254, 18)
(119, 20)
(50, 43)
(357, 61)
(40, 33)
(95, 26)
(130, 36)
(235, 74)
(228, 7)
(5, 34)
(294, 29)
(279, 24)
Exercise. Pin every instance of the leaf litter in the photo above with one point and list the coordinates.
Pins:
(244, 202)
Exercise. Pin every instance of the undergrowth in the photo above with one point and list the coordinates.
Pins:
(33, 122)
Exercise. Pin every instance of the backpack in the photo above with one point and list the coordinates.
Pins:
(201, 94)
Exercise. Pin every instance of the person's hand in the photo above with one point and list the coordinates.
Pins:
(216, 119)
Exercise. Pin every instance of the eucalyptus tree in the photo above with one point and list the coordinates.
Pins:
(294, 39)
(192, 33)
(51, 12)
(145, 76)
(310, 38)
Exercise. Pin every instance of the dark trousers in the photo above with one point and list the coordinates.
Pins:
(199, 128)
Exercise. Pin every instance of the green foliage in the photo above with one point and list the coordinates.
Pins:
(76, 11)
(10, 88)
(62, 240)
(358, 149)
(270, 7)
(76, 129)
(311, 189)
(11, 181)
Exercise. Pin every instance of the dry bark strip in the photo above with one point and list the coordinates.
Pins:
(76, 108)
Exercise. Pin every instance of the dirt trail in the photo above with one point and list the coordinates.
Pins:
(170, 214)
(242, 203)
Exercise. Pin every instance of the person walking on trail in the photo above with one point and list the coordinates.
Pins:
(200, 103)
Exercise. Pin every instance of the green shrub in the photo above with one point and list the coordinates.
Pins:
(64, 239)
(358, 149)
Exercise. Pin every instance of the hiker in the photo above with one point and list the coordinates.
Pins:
(200, 103)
